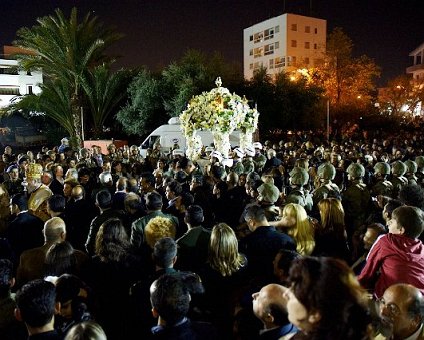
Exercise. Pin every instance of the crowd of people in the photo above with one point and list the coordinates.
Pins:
(297, 239)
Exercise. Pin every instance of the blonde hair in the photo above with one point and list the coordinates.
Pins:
(157, 228)
(303, 231)
(332, 215)
(223, 250)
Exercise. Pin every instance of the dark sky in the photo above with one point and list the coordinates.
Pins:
(159, 31)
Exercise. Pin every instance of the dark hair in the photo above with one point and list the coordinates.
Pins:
(222, 187)
(217, 171)
(286, 259)
(413, 195)
(184, 162)
(21, 201)
(328, 286)
(279, 313)
(83, 172)
(194, 215)
(149, 178)
(171, 295)
(112, 240)
(377, 227)
(411, 219)
(6, 275)
(187, 199)
(57, 203)
(133, 201)
(175, 187)
(68, 287)
(164, 252)
(104, 199)
(60, 259)
(180, 177)
(153, 201)
(36, 302)
(392, 205)
(254, 212)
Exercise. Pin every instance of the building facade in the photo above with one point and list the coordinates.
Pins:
(15, 81)
(417, 69)
(284, 43)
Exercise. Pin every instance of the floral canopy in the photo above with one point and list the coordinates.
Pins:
(220, 112)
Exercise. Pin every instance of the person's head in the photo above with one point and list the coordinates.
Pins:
(295, 217)
(170, 296)
(332, 215)
(147, 182)
(282, 263)
(194, 216)
(36, 304)
(56, 205)
(407, 221)
(122, 184)
(68, 185)
(400, 310)
(220, 188)
(173, 190)
(389, 207)
(223, 250)
(132, 203)
(254, 215)
(157, 228)
(60, 259)
(78, 192)
(372, 232)
(54, 230)
(33, 174)
(165, 252)
(413, 195)
(7, 280)
(87, 330)
(46, 177)
(270, 305)
(104, 199)
(153, 201)
(19, 202)
(58, 171)
(111, 240)
(13, 172)
(325, 299)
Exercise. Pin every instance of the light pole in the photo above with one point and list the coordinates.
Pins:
(328, 119)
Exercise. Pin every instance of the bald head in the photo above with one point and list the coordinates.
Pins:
(401, 310)
(78, 192)
(270, 305)
(54, 230)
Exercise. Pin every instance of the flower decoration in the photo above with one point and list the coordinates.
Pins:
(220, 112)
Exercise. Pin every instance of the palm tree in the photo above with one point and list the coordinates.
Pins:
(66, 51)
(105, 91)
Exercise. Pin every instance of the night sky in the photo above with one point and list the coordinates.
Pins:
(160, 31)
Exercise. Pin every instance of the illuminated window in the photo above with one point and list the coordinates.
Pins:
(269, 49)
(258, 37)
(294, 27)
(279, 62)
(293, 43)
(307, 45)
(258, 52)
(307, 29)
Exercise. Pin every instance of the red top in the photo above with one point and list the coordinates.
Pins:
(399, 259)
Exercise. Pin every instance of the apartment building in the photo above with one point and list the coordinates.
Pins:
(417, 69)
(283, 43)
(13, 80)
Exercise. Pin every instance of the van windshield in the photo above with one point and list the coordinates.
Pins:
(149, 142)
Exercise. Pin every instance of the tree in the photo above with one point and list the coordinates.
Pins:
(346, 79)
(402, 97)
(105, 91)
(66, 50)
(145, 110)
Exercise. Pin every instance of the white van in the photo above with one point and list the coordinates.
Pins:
(171, 134)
